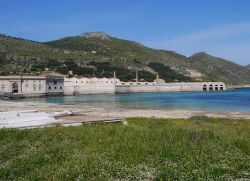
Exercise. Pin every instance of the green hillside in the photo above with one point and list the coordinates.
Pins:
(220, 69)
(85, 53)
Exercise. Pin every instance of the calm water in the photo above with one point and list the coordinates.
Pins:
(235, 100)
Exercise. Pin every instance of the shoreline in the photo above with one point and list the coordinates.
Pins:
(119, 112)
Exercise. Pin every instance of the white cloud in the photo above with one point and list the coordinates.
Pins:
(218, 32)
(231, 42)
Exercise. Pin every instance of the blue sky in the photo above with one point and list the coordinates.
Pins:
(219, 27)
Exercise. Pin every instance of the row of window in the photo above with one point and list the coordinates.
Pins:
(86, 82)
(55, 88)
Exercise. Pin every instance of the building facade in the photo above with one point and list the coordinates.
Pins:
(83, 85)
(54, 86)
(24, 85)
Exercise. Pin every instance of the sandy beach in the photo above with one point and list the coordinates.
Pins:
(122, 113)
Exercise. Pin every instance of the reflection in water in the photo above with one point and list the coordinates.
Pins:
(238, 100)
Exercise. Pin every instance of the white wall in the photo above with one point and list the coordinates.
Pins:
(30, 85)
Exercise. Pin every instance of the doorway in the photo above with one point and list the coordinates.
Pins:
(15, 87)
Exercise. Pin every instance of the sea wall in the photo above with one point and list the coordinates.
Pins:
(172, 87)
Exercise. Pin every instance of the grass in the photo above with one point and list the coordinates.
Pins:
(199, 148)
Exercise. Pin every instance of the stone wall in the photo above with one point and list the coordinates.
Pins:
(171, 87)
(25, 85)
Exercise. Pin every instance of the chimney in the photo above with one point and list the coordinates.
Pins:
(136, 77)
(157, 76)
(114, 77)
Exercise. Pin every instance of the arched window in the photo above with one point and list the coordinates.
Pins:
(211, 87)
(49, 88)
(216, 87)
(205, 87)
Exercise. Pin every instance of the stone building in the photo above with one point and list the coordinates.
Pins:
(83, 85)
(54, 86)
(23, 85)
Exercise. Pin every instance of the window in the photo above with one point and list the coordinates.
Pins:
(55, 88)
(34, 87)
(61, 88)
(2, 87)
(49, 88)
(55, 82)
(40, 87)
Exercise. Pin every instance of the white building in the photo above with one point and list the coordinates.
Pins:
(24, 85)
(83, 85)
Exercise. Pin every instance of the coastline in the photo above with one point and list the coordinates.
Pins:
(122, 113)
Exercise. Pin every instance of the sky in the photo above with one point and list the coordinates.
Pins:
(218, 27)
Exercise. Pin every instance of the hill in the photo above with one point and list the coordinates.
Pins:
(100, 54)
(219, 69)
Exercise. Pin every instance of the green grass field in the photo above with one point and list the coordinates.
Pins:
(199, 148)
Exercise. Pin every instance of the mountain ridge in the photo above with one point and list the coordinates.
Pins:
(29, 56)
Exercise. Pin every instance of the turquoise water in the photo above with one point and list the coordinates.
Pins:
(234, 100)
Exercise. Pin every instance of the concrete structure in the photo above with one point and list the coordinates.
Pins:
(83, 85)
(24, 85)
(171, 87)
(41, 86)
(54, 86)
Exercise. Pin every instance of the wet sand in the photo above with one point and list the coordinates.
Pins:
(121, 113)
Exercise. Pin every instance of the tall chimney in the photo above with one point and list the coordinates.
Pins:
(114, 77)
(157, 76)
(136, 77)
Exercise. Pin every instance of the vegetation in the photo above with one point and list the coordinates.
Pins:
(199, 148)
(29, 57)
(166, 73)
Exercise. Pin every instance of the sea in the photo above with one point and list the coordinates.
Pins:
(230, 100)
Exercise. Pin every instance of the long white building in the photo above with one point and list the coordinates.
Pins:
(83, 85)
(40, 86)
